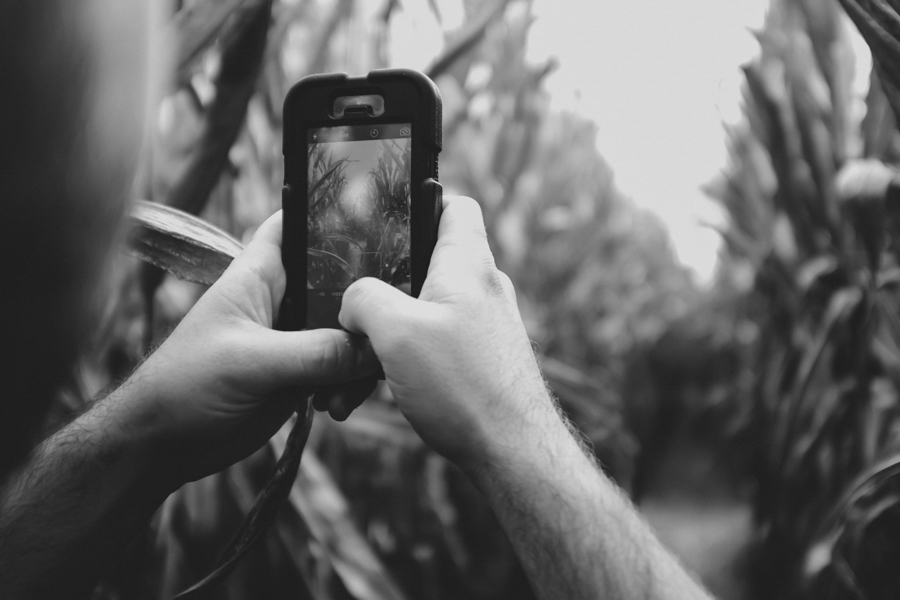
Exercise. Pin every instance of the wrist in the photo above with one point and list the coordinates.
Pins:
(132, 414)
(537, 441)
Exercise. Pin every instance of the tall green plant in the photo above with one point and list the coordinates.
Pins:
(823, 406)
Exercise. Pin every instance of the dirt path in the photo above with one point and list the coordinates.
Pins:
(697, 513)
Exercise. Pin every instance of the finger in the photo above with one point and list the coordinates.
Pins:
(315, 357)
(462, 261)
(258, 273)
(373, 308)
(265, 245)
(321, 399)
(342, 399)
(356, 393)
(462, 228)
(269, 233)
(264, 250)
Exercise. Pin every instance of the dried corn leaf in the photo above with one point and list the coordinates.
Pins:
(179, 243)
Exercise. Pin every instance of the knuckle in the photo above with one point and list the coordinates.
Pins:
(326, 360)
(509, 290)
(355, 296)
(351, 294)
(479, 231)
(359, 291)
(493, 280)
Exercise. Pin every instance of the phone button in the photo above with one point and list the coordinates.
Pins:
(434, 193)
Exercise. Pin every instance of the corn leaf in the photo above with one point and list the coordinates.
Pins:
(179, 243)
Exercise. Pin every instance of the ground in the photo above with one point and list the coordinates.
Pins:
(702, 516)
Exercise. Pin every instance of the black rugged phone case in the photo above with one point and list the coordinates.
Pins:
(409, 96)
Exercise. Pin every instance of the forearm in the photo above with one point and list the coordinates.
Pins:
(575, 533)
(84, 495)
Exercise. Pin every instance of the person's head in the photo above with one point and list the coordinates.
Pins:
(73, 79)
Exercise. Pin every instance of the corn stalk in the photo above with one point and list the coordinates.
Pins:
(824, 403)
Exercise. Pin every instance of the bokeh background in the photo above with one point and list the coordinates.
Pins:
(663, 184)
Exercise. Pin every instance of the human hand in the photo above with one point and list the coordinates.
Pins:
(224, 381)
(457, 359)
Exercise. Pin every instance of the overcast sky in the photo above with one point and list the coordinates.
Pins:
(658, 77)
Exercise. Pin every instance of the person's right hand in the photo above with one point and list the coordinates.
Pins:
(457, 359)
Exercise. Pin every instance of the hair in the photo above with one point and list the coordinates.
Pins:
(62, 192)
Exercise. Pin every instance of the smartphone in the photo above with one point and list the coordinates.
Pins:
(360, 196)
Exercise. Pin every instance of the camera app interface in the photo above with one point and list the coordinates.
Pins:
(358, 211)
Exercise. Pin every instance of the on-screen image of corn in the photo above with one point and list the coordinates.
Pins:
(358, 206)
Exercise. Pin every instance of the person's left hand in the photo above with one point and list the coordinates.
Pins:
(225, 381)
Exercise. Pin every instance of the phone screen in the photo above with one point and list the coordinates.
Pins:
(358, 211)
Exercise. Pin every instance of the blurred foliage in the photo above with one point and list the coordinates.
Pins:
(795, 355)
(374, 514)
(594, 276)
(820, 272)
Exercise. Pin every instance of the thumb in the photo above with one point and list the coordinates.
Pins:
(375, 309)
(315, 357)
